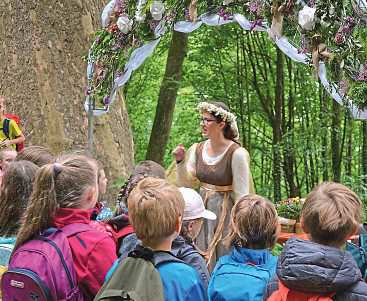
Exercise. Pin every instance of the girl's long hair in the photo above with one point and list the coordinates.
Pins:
(16, 189)
(58, 185)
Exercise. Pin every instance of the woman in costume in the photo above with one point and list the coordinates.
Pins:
(222, 168)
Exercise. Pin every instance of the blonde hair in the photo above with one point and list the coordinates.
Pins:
(16, 188)
(254, 223)
(331, 213)
(37, 154)
(58, 185)
(154, 209)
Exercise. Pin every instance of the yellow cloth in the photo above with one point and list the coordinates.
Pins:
(14, 131)
(3, 269)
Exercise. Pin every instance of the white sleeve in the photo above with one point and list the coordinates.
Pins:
(186, 169)
(241, 173)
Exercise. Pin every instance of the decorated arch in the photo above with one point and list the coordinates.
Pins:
(326, 35)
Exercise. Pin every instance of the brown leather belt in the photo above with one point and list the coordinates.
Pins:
(216, 188)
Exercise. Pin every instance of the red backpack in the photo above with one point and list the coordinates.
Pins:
(6, 128)
(285, 294)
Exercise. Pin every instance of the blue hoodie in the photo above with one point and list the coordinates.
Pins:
(242, 275)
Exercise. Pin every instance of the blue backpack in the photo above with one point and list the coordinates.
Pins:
(359, 253)
(234, 281)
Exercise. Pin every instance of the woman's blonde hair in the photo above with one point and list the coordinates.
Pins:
(58, 185)
(331, 213)
(16, 188)
(254, 223)
(154, 209)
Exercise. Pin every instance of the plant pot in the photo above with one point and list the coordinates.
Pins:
(298, 228)
(287, 225)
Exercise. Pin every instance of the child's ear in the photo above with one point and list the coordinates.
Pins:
(304, 226)
(179, 224)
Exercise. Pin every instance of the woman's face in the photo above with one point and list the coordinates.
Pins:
(209, 125)
(195, 227)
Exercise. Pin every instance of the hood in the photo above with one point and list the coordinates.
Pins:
(257, 257)
(310, 267)
(66, 216)
(181, 248)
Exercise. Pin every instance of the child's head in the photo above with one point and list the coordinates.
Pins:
(142, 170)
(71, 182)
(7, 155)
(37, 154)
(331, 213)
(16, 189)
(155, 211)
(254, 223)
(194, 214)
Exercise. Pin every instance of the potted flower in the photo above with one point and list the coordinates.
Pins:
(289, 211)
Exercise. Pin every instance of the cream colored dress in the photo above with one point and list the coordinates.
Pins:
(215, 199)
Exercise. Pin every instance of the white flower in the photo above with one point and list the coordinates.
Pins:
(226, 2)
(306, 17)
(124, 24)
(157, 10)
(139, 18)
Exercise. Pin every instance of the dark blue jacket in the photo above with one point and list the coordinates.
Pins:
(313, 268)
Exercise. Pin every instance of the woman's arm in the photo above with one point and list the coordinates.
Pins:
(241, 173)
(186, 169)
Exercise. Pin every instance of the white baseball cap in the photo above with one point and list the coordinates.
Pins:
(194, 205)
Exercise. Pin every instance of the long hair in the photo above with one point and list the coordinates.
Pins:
(16, 189)
(254, 223)
(58, 185)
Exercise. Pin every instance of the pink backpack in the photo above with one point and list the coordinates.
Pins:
(43, 270)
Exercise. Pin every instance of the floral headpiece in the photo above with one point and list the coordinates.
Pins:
(225, 115)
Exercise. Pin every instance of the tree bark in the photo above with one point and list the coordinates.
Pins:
(277, 125)
(167, 98)
(335, 142)
(43, 77)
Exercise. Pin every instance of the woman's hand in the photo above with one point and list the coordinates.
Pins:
(179, 153)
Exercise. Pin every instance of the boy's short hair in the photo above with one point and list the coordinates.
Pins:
(154, 209)
(331, 213)
(149, 168)
(254, 223)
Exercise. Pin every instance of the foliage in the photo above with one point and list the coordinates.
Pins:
(290, 208)
(330, 35)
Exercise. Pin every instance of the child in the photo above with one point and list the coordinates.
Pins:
(64, 193)
(308, 270)
(7, 155)
(155, 211)
(16, 189)
(183, 246)
(245, 272)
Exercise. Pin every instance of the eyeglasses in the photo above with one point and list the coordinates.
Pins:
(206, 121)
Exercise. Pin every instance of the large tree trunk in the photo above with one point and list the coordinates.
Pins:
(43, 78)
(167, 98)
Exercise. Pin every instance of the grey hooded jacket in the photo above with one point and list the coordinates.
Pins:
(313, 268)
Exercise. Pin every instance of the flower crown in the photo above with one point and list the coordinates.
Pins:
(225, 115)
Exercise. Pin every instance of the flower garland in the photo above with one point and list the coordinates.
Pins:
(225, 115)
(324, 32)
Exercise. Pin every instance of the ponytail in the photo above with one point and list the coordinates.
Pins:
(58, 185)
(42, 206)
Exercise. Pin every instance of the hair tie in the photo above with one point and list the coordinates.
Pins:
(57, 168)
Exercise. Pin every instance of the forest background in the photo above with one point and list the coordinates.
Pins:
(297, 136)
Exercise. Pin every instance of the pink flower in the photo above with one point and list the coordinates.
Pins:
(339, 38)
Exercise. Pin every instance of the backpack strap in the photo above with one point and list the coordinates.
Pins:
(6, 127)
(155, 257)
